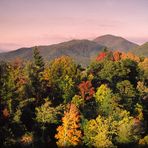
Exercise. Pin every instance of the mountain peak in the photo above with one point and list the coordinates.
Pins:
(115, 42)
(109, 35)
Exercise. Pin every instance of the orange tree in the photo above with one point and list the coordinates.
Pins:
(69, 132)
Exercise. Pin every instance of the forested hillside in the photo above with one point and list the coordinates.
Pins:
(82, 51)
(141, 50)
(62, 104)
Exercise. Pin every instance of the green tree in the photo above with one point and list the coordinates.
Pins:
(46, 114)
(67, 85)
(106, 100)
(99, 132)
(7, 86)
(38, 60)
(133, 74)
(113, 72)
(144, 68)
(127, 93)
(128, 128)
(65, 76)
(35, 74)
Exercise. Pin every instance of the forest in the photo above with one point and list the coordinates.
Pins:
(63, 104)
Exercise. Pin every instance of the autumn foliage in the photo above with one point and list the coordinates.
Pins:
(62, 104)
(86, 90)
(6, 113)
(101, 56)
(69, 133)
(117, 56)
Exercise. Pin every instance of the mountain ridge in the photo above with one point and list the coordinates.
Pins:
(82, 51)
(141, 50)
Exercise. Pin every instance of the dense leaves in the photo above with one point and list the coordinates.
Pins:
(69, 133)
(61, 104)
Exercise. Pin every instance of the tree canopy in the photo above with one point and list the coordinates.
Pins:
(61, 104)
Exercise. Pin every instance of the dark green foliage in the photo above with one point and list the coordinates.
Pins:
(35, 74)
(38, 60)
(127, 93)
(133, 71)
(6, 82)
(113, 71)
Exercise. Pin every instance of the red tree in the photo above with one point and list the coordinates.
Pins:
(101, 56)
(86, 90)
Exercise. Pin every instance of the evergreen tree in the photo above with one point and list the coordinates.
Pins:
(38, 60)
(35, 74)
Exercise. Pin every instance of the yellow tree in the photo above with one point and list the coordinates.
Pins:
(99, 132)
(130, 56)
(69, 132)
(144, 67)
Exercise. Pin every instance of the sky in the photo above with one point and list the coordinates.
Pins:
(25, 23)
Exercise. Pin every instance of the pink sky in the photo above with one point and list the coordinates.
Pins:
(44, 22)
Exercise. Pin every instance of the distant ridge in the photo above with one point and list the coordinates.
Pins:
(141, 50)
(115, 42)
(82, 51)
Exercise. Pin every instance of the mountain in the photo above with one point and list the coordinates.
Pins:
(115, 42)
(141, 50)
(82, 51)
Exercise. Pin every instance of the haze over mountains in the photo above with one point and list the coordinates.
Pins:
(82, 51)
